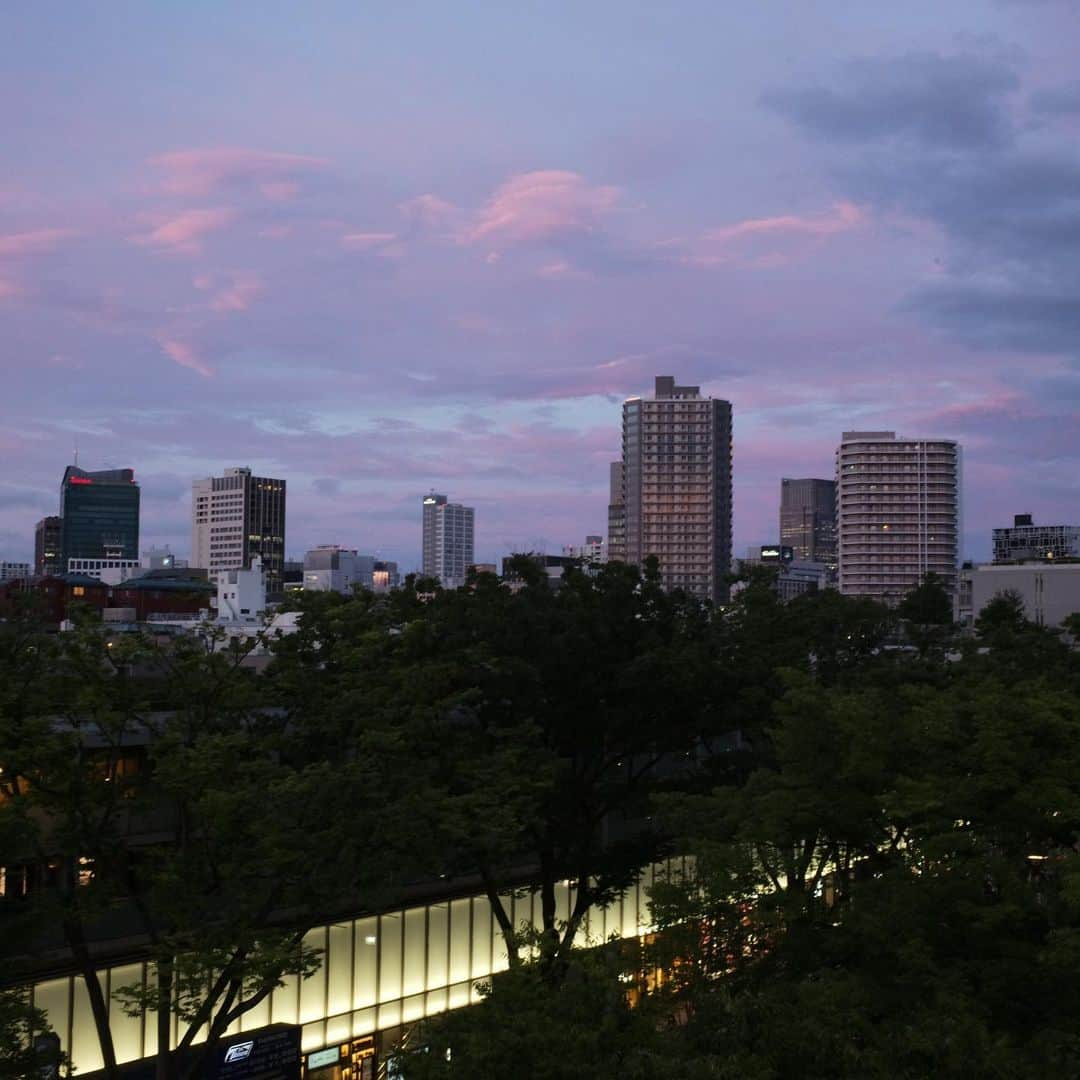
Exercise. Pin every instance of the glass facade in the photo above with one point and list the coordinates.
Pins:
(377, 972)
(99, 514)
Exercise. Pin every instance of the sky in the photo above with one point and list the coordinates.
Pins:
(382, 248)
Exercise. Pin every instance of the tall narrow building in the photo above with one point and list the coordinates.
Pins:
(448, 541)
(808, 519)
(99, 515)
(47, 546)
(616, 515)
(898, 513)
(676, 487)
(235, 518)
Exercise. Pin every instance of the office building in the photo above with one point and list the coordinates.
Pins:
(99, 516)
(329, 568)
(675, 487)
(808, 519)
(592, 553)
(14, 571)
(448, 540)
(236, 518)
(1026, 541)
(47, 546)
(898, 513)
(384, 576)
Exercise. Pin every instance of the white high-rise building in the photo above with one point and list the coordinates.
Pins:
(448, 550)
(897, 511)
(235, 518)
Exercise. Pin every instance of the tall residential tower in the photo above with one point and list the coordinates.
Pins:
(675, 487)
(448, 540)
(898, 512)
(235, 518)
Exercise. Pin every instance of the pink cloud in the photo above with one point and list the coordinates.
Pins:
(742, 242)
(430, 211)
(183, 234)
(199, 172)
(184, 355)
(238, 295)
(37, 242)
(536, 206)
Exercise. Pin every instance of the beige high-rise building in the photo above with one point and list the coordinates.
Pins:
(674, 488)
(236, 517)
(898, 512)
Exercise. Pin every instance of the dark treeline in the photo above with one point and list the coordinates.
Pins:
(878, 819)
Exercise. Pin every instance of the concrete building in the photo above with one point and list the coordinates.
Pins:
(808, 519)
(1025, 540)
(329, 568)
(1050, 590)
(236, 518)
(592, 553)
(241, 594)
(162, 558)
(675, 487)
(14, 571)
(448, 540)
(99, 515)
(47, 546)
(898, 513)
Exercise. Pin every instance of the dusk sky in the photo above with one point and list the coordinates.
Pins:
(379, 248)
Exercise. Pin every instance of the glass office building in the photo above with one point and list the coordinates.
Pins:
(377, 973)
(99, 515)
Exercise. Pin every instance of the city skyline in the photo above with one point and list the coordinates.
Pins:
(325, 249)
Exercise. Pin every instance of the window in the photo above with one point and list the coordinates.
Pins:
(78, 591)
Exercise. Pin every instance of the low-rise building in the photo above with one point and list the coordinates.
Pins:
(1024, 541)
(14, 571)
(1050, 590)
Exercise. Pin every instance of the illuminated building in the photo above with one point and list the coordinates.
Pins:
(448, 540)
(898, 511)
(675, 488)
(47, 546)
(808, 519)
(236, 517)
(99, 515)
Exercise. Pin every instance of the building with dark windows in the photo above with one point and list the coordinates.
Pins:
(236, 518)
(448, 540)
(99, 515)
(1025, 541)
(898, 513)
(808, 519)
(47, 546)
(675, 487)
(616, 515)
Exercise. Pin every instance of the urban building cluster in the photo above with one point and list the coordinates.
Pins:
(888, 516)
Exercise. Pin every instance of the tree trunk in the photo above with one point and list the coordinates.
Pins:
(99, 1007)
(165, 1063)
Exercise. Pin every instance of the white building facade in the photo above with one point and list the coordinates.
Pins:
(898, 513)
(448, 540)
(1050, 591)
(14, 571)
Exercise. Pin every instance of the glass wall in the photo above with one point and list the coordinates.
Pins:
(376, 972)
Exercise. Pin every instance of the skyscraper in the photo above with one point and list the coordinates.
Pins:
(47, 546)
(99, 515)
(448, 540)
(898, 511)
(675, 487)
(808, 519)
(236, 517)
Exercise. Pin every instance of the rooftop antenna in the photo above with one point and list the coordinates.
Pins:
(76, 453)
